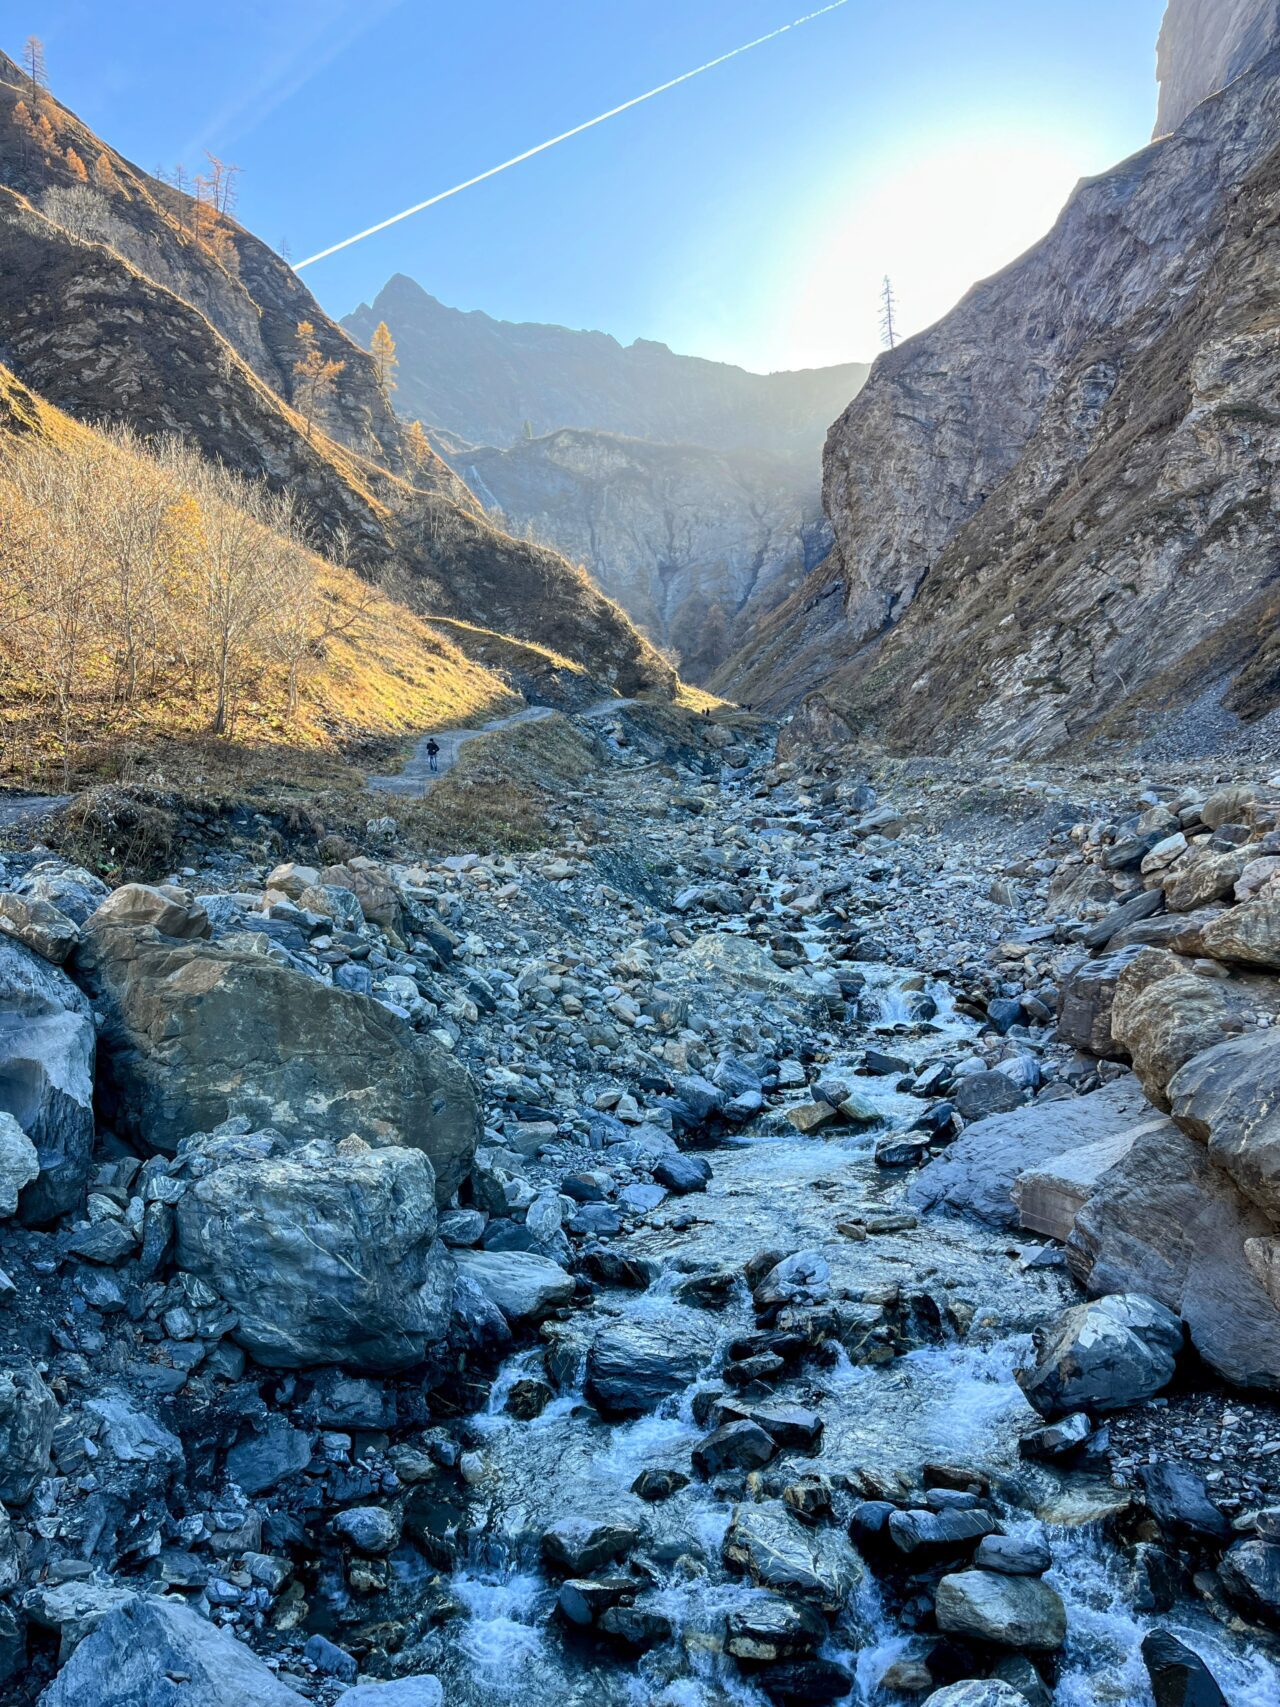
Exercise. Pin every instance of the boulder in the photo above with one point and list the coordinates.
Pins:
(1166, 1223)
(150, 1653)
(1179, 1677)
(75, 892)
(28, 1413)
(1250, 1572)
(378, 896)
(523, 1285)
(633, 1366)
(1165, 1012)
(1103, 1355)
(978, 1096)
(1014, 1555)
(1050, 1197)
(1012, 1612)
(1202, 879)
(770, 1545)
(978, 1173)
(39, 926)
(423, 1690)
(326, 1252)
(977, 1692)
(19, 1164)
(577, 1546)
(737, 960)
(1229, 1098)
(195, 1033)
(769, 1629)
(1179, 1501)
(741, 1445)
(47, 1049)
(1248, 935)
(175, 913)
(1085, 1002)
(683, 1173)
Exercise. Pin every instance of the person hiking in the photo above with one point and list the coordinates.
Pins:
(433, 752)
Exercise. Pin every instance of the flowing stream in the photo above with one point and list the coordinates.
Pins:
(954, 1401)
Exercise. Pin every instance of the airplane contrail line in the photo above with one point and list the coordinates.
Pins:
(565, 135)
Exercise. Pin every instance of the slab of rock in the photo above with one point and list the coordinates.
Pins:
(1165, 1012)
(1229, 1098)
(1179, 1677)
(19, 1164)
(47, 1049)
(741, 1445)
(1249, 935)
(771, 1546)
(39, 926)
(580, 1545)
(28, 1413)
(326, 1252)
(196, 1033)
(1167, 1223)
(977, 1174)
(1103, 1355)
(133, 1650)
(1085, 1001)
(1050, 1197)
(1013, 1612)
(1250, 1572)
(634, 1366)
(523, 1285)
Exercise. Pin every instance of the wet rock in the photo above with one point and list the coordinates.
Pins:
(633, 1366)
(523, 1285)
(742, 1445)
(329, 1659)
(1180, 1504)
(1018, 1671)
(1012, 1612)
(1103, 1355)
(937, 1533)
(634, 1627)
(1250, 1572)
(790, 1425)
(800, 1683)
(28, 1414)
(577, 1546)
(1014, 1555)
(146, 1641)
(657, 1485)
(977, 1096)
(683, 1174)
(370, 1528)
(195, 1033)
(804, 1278)
(326, 1252)
(424, 1690)
(771, 1629)
(528, 1399)
(47, 1048)
(977, 1692)
(1179, 1677)
(583, 1599)
(772, 1547)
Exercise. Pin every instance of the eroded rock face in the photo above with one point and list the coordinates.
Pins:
(326, 1252)
(196, 1034)
(1102, 1356)
(1227, 1098)
(1204, 44)
(47, 1049)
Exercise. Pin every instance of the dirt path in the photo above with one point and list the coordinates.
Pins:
(417, 777)
(19, 808)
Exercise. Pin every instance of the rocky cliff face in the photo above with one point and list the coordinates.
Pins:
(1055, 509)
(696, 545)
(484, 379)
(119, 301)
(1204, 45)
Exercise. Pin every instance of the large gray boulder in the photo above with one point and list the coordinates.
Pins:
(1249, 934)
(1229, 1098)
(1013, 1612)
(977, 1174)
(46, 1077)
(28, 1413)
(1085, 1000)
(768, 1543)
(633, 1367)
(1166, 1223)
(159, 1653)
(326, 1252)
(977, 1692)
(1103, 1355)
(196, 1033)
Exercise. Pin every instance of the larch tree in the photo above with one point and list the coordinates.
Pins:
(383, 349)
(77, 168)
(104, 173)
(34, 66)
(315, 375)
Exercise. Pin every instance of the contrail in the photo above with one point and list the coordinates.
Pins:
(564, 136)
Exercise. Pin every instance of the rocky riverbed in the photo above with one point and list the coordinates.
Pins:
(728, 1255)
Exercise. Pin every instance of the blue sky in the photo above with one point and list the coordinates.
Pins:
(748, 215)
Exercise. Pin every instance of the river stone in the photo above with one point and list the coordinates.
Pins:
(977, 1692)
(1085, 1001)
(265, 1459)
(977, 1174)
(633, 1366)
(28, 1413)
(326, 1252)
(1179, 1677)
(1180, 1504)
(1014, 1555)
(1165, 1013)
(371, 1528)
(978, 1096)
(768, 1544)
(19, 1164)
(39, 925)
(578, 1546)
(424, 1690)
(770, 1629)
(1167, 1223)
(378, 896)
(135, 1653)
(75, 892)
(805, 1682)
(938, 1532)
(1103, 1355)
(1250, 1572)
(683, 1174)
(738, 960)
(522, 1284)
(742, 1445)
(47, 1046)
(1012, 1612)
(1229, 1098)
(1203, 878)
(195, 1033)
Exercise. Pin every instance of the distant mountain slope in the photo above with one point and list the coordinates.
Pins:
(696, 545)
(122, 300)
(484, 379)
(1055, 511)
